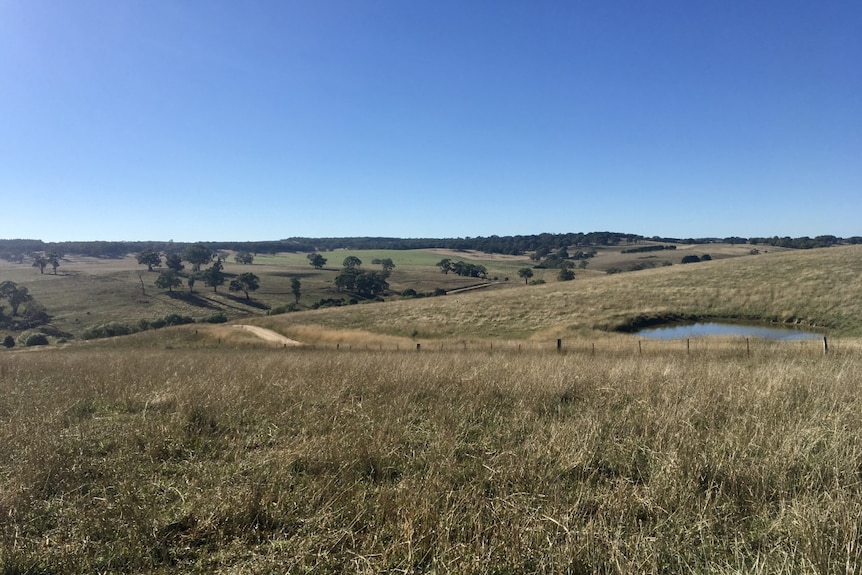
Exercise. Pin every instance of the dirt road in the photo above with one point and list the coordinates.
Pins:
(268, 335)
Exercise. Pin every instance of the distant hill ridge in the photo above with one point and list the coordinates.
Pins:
(512, 245)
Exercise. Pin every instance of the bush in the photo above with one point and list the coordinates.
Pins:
(537, 282)
(9, 341)
(177, 319)
(409, 292)
(29, 339)
(111, 329)
(218, 317)
(285, 308)
(690, 259)
(441, 291)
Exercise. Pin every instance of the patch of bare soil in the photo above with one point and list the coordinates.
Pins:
(268, 335)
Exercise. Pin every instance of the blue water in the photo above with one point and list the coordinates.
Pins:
(705, 329)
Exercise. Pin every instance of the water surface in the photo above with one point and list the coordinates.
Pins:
(705, 329)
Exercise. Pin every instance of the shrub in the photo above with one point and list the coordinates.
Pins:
(537, 282)
(441, 291)
(285, 308)
(690, 259)
(614, 270)
(409, 292)
(29, 339)
(218, 317)
(177, 319)
(9, 341)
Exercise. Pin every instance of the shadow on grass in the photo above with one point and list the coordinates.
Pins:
(247, 302)
(192, 299)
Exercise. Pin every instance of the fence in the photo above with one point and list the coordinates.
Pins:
(622, 346)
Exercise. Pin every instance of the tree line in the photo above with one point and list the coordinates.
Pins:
(21, 249)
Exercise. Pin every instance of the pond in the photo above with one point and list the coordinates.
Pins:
(705, 329)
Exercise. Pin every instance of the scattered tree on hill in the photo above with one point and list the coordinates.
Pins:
(174, 262)
(244, 258)
(583, 264)
(191, 282)
(525, 273)
(316, 260)
(566, 275)
(445, 265)
(9, 342)
(15, 295)
(245, 282)
(168, 279)
(351, 262)
(387, 263)
(213, 276)
(295, 287)
(53, 261)
(150, 258)
(469, 270)
(40, 262)
(197, 255)
(362, 283)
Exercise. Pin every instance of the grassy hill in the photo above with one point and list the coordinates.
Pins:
(817, 288)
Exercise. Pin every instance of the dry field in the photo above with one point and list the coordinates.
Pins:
(236, 460)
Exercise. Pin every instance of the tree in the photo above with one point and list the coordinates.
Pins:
(566, 275)
(213, 276)
(525, 273)
(40, 262)
(316, 260)
(9, 342)
(245, 282)
(191, 281)
(387, 263)
(174, 262)
(168, 279)
(197, 255)
(15, 294)
(295, 286)
(150, 258)
(445, 265)
(351, 262)
(53, 261)
(244, 258)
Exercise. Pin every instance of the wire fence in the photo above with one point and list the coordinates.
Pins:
(728, 346)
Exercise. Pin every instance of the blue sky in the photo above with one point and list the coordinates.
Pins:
(255, 120)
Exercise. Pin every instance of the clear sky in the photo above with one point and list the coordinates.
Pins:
(266, 119)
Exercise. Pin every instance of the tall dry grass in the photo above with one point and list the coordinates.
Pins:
(301, 461)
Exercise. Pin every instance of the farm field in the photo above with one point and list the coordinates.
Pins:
(203, 448)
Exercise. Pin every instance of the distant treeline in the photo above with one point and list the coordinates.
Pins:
(512, 245)
(648, 249)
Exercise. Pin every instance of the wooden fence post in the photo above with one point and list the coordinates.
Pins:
(418, 346)
(640, 349)
(688, 346)
(559, 344)
(747, 347)
(825, 346)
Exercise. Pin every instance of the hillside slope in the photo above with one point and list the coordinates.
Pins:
(819, 288)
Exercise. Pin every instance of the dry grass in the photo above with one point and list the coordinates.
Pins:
(241, 461)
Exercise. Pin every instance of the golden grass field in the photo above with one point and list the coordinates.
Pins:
(204, 449)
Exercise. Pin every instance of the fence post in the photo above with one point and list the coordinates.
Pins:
(418, 346)
(640, 349)
(688, 346)
(593, 352)
(825, 346)
(747, 347)
(559, 344)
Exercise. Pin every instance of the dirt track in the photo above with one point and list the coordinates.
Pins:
(268, 335)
